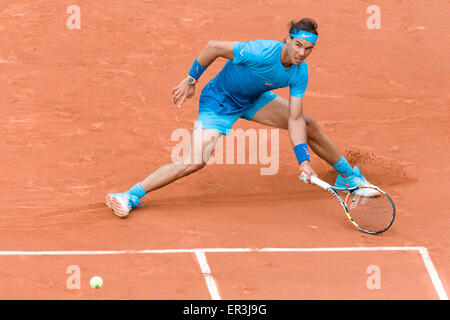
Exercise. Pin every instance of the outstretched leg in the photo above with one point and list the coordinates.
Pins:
(195, 160)
(201, 148)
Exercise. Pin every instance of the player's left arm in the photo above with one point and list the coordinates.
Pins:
(298, 135)
(213, 49)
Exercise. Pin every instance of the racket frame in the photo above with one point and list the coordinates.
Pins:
(333, 190)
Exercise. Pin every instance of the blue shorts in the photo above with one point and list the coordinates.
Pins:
(209, 119)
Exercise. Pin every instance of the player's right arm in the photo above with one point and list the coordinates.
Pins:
(209, 53)
(215, 49)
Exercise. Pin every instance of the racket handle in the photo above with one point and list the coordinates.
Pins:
(316, 181)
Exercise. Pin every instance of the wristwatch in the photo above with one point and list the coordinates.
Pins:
(191, 80)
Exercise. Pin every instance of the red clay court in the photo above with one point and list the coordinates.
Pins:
(87, 112)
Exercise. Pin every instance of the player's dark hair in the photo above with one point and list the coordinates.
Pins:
(306, 24)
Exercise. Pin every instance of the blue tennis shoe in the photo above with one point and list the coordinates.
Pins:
(354, 181)
(122, 203)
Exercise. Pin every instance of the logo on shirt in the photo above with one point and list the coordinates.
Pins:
(241, 52)
(268, 84)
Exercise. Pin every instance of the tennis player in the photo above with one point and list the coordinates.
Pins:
(242, 89)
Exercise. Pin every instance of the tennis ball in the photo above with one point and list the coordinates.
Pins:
(96, 282)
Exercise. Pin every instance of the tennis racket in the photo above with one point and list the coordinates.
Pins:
(370, 209)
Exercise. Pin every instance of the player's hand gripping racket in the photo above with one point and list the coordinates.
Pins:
(370, 209)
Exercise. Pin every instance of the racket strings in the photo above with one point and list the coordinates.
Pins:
(374, 213)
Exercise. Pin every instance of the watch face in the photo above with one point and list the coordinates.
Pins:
(190, 80)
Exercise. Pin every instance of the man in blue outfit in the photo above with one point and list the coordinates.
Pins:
(242, 89)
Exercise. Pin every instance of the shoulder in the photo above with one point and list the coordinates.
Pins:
(257, 47)
(266, 43)
(268, 46)
(299, 80)
(301, 71)
(258, 44)
(303, 67)
(254, 51)
(299, 75)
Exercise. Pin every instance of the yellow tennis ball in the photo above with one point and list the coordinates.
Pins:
(96, 282)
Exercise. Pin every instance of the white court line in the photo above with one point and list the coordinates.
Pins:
(433, 274)
(200, 254)
(226, 250)
(213, 291)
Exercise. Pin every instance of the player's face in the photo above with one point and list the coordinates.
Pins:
(299, 50)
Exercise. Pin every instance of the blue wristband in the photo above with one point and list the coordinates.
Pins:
(301, 152)
(196, 70)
